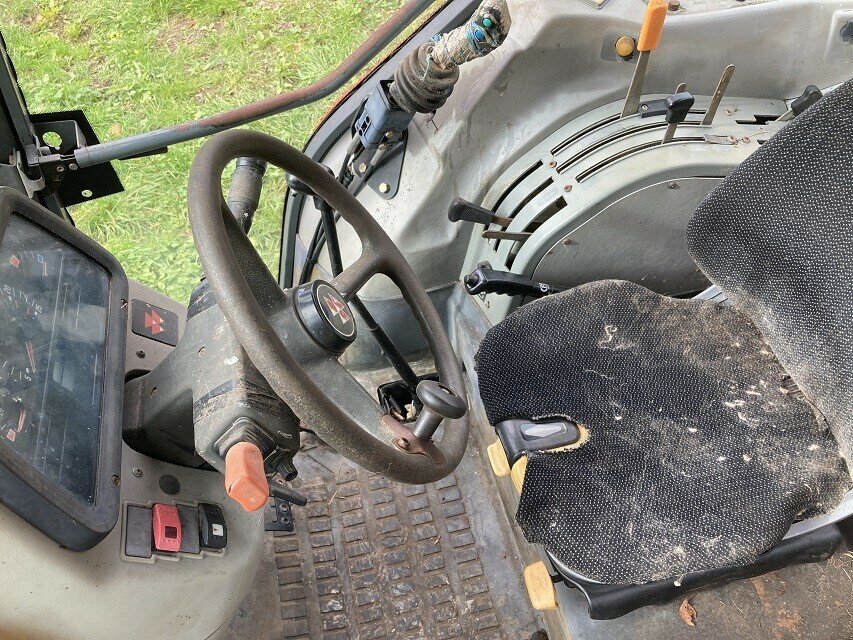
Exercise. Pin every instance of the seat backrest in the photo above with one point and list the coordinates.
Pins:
(777, 237)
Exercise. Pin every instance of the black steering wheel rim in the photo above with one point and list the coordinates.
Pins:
(249, 304)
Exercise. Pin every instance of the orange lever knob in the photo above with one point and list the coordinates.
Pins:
(652, 27)
(245, 480)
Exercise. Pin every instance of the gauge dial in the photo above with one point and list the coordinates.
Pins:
(20, 342)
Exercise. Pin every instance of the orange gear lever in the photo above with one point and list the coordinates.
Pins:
(652, 28)
(648, 41)
(245, 480)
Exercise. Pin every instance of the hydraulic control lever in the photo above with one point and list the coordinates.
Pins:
(809, 97)
(468, 211)
(649, 40)
(678, 105)
(486, 280)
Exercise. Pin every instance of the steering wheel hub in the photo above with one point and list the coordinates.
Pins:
(325, 315)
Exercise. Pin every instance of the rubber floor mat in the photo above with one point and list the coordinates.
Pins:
(373, 558)
(697, 457)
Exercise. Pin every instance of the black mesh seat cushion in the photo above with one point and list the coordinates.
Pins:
(696, 457)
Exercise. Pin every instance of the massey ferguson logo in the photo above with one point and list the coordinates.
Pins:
(337, 308)
(154, 322)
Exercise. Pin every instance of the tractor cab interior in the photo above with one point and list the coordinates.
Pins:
(552, 352)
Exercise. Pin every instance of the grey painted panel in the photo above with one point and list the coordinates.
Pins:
(100, 594)
(638, 238)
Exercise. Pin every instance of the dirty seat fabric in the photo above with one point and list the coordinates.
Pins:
(697, 457)
(781, 247)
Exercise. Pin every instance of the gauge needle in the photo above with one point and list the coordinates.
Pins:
(21, 419)
(31, 355)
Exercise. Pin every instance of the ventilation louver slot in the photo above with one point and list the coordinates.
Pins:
(584, 175)
(619, 135)
(525, 201)
(515, 184)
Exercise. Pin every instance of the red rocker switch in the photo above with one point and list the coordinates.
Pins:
(167, 527)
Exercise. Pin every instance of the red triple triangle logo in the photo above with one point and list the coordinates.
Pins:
(154, 322)
(337, 308)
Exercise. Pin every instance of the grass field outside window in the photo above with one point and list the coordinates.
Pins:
(136, 66)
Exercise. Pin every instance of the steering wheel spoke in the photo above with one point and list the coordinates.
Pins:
(346, 392)
(351, 280)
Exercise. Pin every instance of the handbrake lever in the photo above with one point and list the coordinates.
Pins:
(487, 280)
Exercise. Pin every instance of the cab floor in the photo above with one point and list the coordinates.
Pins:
(371, 558)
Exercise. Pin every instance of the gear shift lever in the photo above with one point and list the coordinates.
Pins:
(439, 402)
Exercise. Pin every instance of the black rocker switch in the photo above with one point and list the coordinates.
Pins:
(213, 534)
(439, 402)
(139, 538)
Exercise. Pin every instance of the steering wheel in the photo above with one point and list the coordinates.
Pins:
(294, 337)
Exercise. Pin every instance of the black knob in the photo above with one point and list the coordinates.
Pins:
(810, 96)
(300, 187)
(678, 105)
(439, 402)
(471, 281)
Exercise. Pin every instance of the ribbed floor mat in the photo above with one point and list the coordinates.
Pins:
(372, 558)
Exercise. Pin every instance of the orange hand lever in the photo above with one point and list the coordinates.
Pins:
(245, 480)
(652, 25)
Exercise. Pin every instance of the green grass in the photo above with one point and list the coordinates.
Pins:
(135, 66)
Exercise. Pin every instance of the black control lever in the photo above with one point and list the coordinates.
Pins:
(809, 97)
(678, 105)
(300, 187)
(463, 210)
(486, 280)
(283, 497)
(281, 492)
(244, 194)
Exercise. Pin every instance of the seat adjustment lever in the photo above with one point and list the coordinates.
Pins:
(518, 436)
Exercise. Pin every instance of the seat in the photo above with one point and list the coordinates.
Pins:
(708, 428)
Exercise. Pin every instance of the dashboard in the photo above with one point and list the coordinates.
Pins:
(53, 310)
(62, 305)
